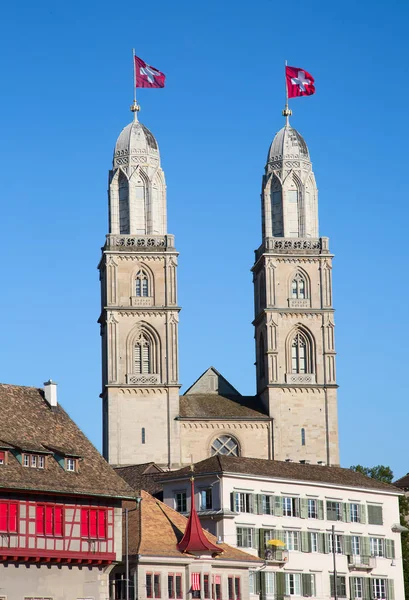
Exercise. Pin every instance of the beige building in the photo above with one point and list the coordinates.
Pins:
(294, 414)
(284, 512)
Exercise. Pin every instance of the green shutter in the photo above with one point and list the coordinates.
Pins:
(305, 542)
(365, 546)
(234, 501)
(362, 513)
(346, 512)
(391, 590)
(367, 588)
(278, 506)
(375, 515)
(347, 544)
(304, 508)
(297, 507)
(331, 585)
(321, 542)
(351, 587)
(256, 538)
(390, 548)
(259, 498)
(261, 543)
(326, 542)
(320, 509)
(279, 535)
(280, 585)
(306, 585)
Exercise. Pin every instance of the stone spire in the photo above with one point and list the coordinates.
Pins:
(289, 191)
(137, 189)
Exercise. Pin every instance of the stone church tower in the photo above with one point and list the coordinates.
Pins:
(294, 324)
(139, 313)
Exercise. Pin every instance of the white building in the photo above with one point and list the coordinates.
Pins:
(285, 511)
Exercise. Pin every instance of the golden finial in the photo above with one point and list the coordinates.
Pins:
(287, 112)
(135, 108)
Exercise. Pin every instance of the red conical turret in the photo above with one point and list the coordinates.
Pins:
(194, 539)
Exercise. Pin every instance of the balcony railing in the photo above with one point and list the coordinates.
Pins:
(361, 563)
(276, 556)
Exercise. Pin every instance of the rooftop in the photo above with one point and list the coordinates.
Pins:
(28, 423)
(308, 473)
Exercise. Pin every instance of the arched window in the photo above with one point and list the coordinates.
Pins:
(261, 357)
(302, 436)
(298, 287)
(143, 354)
(300, 354)
(142, 284)
(225, 444)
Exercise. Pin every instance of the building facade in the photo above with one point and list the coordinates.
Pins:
(284, 513)
(294, 413)
(60, 503)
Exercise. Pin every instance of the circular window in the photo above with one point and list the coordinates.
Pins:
(225, 444)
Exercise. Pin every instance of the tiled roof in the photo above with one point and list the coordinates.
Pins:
(28, 422)
(155, 529)
(282, 470)
(403, 482)
(215, 406)
(142, 477)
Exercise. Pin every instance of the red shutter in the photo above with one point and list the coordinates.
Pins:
(93, 523)
(13, 517)
(84, 522)
(49, 520)
(2, 458)
(58, 521)
(40, 520)
(102, 524)
(195, 582)
(3, 516)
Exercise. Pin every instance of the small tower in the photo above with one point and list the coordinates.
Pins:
(139, 312)
(294, 324)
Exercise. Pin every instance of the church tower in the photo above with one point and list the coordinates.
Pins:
(294, 317)
(139, 312)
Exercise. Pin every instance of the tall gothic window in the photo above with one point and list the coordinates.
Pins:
(261, 357)
(298, 287)
(143, 355)
(300, 354)
(142, 284)
(225, 444)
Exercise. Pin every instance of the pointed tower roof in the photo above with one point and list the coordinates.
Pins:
(194, 539)
(135, 144)
(288, 144)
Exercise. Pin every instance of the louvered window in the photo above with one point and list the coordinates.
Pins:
(142, 284)
(142, 355)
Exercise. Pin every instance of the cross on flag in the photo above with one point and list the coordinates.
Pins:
(147, 76)
(299, 82)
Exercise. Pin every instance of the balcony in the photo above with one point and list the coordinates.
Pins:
(357, 562)
(274, 556)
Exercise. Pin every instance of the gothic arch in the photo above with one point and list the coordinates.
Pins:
(296, 275)
(123, 202)
(142, 267)
(143, 335)
(300, 350)
(276, 199)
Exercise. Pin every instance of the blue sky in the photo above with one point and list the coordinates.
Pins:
(66, 88)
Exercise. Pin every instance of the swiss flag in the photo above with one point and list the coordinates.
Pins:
(299, 82)
(147, 76)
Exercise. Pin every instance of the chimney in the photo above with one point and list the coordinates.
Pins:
(50, 392)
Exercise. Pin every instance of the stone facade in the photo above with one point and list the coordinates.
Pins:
(139, 313)
(294, 324)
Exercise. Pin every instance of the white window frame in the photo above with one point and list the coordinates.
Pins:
(312, 508)
(183, 500)
(70, 465)
(269, 582)
(246, 536)
(379, 588)
(314, 541)
(338, 543)
(377, 546)
(292, 540)
(356, 545)
(358, 587)
(293, 584)
(354, 512)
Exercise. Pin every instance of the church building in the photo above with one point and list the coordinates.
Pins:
(293, 416)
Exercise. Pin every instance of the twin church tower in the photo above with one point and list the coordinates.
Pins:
(294, 413)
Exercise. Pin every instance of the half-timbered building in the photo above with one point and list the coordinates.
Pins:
(60, 502)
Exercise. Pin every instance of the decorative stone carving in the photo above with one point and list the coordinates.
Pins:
(300, 378)
(141, 301)
(298, 302)
(146, 379)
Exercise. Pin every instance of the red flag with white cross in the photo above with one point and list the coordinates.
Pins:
(299, 82)
(147, 76)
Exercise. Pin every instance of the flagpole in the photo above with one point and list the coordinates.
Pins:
(135, 106)
(286, 112)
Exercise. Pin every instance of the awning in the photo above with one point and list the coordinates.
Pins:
(195, 582)
(277, 543)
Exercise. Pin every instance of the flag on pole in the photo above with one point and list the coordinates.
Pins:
(299, 82)
(147, 76)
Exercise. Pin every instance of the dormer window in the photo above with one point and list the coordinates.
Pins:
(35, 461)
(71, 465)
